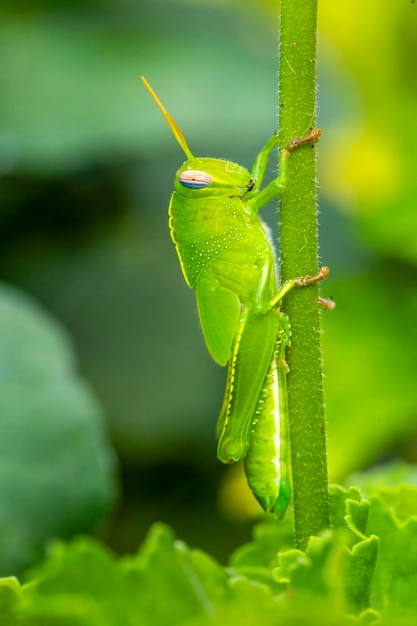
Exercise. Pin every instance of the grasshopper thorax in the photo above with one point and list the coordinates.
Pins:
(205, 178)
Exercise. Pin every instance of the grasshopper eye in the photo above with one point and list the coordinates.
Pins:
(195, 179)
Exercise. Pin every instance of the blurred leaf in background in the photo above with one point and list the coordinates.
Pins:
(367, 171)
(88, 163)
(57, 470)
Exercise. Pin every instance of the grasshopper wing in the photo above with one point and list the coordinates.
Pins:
(219, 312)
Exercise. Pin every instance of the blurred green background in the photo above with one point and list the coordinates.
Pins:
(87, 164)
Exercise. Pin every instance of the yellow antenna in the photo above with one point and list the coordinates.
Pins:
(177, 133)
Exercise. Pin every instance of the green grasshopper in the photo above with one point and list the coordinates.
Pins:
(226, 256)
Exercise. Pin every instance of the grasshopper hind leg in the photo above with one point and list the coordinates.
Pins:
(253, 351)
(266, 462)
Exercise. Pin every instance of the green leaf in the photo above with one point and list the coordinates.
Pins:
(166, 583)
(337, 568)
(317, 575)
(10, 601)
(269, 537)
(257, 558)
(56, 466)
(329, 579)
(393, 517)
(388, 475)
(82, 584)
(350, 510)
(190, 581)
(340, 499)
(79, 584)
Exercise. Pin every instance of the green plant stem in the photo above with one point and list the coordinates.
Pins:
(299, 256)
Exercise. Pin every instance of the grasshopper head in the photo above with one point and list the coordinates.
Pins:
(204, 178)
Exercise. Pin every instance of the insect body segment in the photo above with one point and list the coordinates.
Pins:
(227, 258)
(203, 230)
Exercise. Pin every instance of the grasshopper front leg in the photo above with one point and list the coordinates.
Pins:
(274, 188)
